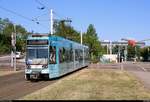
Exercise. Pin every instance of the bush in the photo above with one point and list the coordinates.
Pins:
(4, 49)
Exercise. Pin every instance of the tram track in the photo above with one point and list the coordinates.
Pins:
(14, 86)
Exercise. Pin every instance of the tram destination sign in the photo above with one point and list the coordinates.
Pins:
(37, 42)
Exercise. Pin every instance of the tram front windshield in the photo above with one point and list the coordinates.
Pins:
(37, 56)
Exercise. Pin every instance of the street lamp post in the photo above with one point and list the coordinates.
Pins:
(125, 52)
(119, 53)
(135, 53)
(13, 52)
(15, 47)
(82, 44)
(51, 14)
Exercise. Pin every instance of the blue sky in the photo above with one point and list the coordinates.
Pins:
(113, 19)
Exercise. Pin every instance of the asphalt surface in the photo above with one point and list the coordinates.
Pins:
(14, 86)
(5, 58)
(5, 63)
(127, 66)
(141, 70)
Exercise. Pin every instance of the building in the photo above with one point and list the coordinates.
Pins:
(111, 44)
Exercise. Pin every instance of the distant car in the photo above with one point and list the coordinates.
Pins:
(18, 55)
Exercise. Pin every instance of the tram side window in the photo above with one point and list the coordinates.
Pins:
(65, 55)
(62, 55)
(68, 55)
(76, 55)
(81, 55)
(87, 56)
(52, 56)
(71, 54)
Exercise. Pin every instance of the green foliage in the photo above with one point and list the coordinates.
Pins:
(65, 30)
(6, 29)
(3, 24)
(133, 52)
(9, 28)
(90, 39)
(145, 53)
(4, 48)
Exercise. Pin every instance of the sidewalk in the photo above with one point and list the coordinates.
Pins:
(144, 78)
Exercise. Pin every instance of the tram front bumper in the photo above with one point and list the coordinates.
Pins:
(35, 75)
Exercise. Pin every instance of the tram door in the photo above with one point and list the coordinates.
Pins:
(53, 62)
(52, 55)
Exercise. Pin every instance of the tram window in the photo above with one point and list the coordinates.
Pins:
(71, 54)
(76, 55)
(52, 56)
(87, 54)
(81, 55)
(62, 55)
(67, 55)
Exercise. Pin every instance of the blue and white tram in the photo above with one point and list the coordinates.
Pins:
(53, 56)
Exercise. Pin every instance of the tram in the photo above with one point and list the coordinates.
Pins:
(53, 56)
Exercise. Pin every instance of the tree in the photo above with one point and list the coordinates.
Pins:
(90, 39)
(65, 30)
(6, 29)
(133, 52)
(21, 38)
(3, 24)
(145, 53)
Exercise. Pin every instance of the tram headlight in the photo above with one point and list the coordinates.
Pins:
(44, 66)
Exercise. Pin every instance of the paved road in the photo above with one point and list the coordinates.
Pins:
(5, 63)
(140, 69)
(129, 66)
(105, 66)
(5, 59)
(15, 86)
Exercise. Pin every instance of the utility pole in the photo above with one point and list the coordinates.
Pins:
(119, 52)
(15, 47)
(125, 52)
(110, 47)
(51, 21)
(13, 52)
(135, 54)
(107, 48)
(81, 37)
(82, 44)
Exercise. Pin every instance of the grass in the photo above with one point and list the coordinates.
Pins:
(93, 84)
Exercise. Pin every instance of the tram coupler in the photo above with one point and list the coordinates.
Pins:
(35, 75)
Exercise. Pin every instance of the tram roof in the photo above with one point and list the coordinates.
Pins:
(51, 37)
(58, 38)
